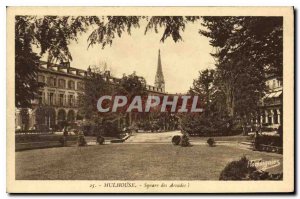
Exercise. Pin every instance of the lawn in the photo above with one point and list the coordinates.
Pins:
(130, 162)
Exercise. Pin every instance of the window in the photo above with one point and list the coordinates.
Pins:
(51, 99)
(61, 99)
(71, 100)
(71, 85)
(51, 81)
(80, 86)
(41, 79)
(62, 83)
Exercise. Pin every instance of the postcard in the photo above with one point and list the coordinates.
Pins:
(150, 100)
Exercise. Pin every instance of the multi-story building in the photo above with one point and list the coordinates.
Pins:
(58, 98)
(271, 103)
(57, 102)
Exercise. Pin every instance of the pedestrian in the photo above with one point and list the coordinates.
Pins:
(65, 132)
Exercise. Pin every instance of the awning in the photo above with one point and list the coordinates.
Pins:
(277, 94)
(274, 94)
(271, 95)
(266, 95)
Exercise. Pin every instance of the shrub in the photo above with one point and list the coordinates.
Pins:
(263, 175)
(111, 129)
(273, 143)
(211, 142)
(100, 139)
(176, 139)
(270, 140)
(206, 125)
(243, 170)
(267, 129)
(237, 170)
(81, 141)
(236, 128)
(185, 141)
(144, 125)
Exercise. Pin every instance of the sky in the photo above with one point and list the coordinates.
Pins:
(181, 61)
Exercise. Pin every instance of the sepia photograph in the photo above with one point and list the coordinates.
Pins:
(152, 100)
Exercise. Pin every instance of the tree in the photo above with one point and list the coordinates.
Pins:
(45, 117)
(131, 86)
(26, 63)
(247, 50)
(215, 118)
(203, 87)
(50, 34)
(96, 85)
(260, 39)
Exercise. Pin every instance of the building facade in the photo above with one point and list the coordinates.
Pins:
(271, 104)
(58, 100)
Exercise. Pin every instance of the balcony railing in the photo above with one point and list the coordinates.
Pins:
(58, 104)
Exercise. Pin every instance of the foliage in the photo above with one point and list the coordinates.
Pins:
(258, 39)
(176, 139)
(204, 88)
(145, 125)
(96, 85)
(173, 25)
(100, 139)
(26, 63)
(264, 175)
(53, 34)
(81, 140)
(132, 85)
(247, 50)
(214, 120)
(111, 129)
(269, 140)
(211, 142)
(201, 125)
(237, 170)
(185, 141)
(242, 170)
(237, 128)
(112, 27)
(45, 112)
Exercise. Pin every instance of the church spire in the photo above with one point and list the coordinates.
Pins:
(159, 78)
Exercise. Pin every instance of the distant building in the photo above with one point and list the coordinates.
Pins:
(271, 103)
(159, 78)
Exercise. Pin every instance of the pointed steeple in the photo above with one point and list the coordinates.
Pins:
(159, 78)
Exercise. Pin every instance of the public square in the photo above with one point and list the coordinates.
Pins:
(144, 156)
